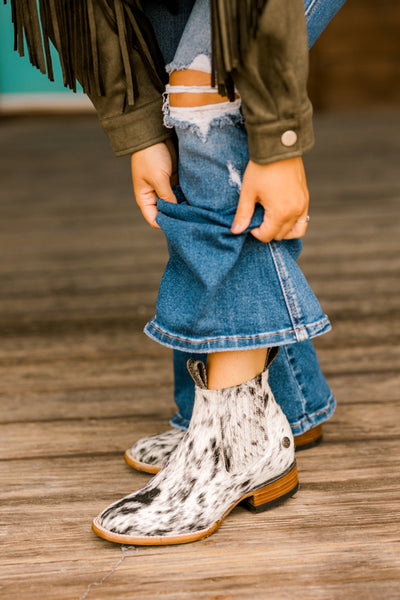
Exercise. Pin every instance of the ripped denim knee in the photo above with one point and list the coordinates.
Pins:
(203, 116)
(213, 147)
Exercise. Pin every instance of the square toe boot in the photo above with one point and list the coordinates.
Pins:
(238, 448)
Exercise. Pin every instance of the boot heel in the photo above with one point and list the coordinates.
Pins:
(309, 439)
(273, 493)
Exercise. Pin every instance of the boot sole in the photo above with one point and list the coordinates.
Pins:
(140, 466)
(267, 496)
(310, 438)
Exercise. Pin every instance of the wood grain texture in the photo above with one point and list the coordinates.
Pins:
(79, 382)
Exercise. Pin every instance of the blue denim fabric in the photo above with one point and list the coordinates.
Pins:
(222, 291)
(318, 14)
(168, 28)
(295, 376)
(209, 300)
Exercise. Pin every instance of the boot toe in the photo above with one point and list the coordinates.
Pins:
(150, 453)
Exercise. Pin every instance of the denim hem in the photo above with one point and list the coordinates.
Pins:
(239, 342)
(316, 418)
(308, 422)
(179, 422)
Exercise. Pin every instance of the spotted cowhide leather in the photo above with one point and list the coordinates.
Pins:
(154, 449)
(238, 440)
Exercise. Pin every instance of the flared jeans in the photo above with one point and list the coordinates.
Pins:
(222, 291)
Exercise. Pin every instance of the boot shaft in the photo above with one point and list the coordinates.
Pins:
(241, 424)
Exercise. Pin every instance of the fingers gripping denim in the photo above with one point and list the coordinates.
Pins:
(222, 291)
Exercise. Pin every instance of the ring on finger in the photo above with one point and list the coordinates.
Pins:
(306, 220)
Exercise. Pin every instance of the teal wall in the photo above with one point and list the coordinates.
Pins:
(17, 76)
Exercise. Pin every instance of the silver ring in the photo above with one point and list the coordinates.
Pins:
(306, 220)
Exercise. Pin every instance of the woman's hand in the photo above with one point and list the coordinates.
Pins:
(154, 171)
(281, 188)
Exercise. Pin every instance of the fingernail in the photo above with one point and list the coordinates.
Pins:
(236, 228)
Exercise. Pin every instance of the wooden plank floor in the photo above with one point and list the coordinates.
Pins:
(79, 382)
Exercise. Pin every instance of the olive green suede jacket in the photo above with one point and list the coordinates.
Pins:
(259, 46)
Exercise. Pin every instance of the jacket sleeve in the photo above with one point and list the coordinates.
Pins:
(129, 127)
(272, 83)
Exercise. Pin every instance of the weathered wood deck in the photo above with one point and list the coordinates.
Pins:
(79, 382)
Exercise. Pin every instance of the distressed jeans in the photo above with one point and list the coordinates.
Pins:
(295, 377)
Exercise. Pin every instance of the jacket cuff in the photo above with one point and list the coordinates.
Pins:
(287, 138)
(136, 129)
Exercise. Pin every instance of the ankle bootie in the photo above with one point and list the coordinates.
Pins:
(150, 453)
(239, 447)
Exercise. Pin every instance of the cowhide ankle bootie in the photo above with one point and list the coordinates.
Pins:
(150, 453)
(239, 447)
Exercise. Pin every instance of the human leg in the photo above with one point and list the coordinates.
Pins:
(318, 14)
(238, 448)
(226, 369)
(307, 401)
(239, 441)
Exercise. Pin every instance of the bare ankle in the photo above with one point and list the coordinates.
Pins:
(227, 369)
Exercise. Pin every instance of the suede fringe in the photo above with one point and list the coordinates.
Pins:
(233, 25)
(71, 26)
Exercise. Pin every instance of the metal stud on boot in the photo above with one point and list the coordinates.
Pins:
(239, 447)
